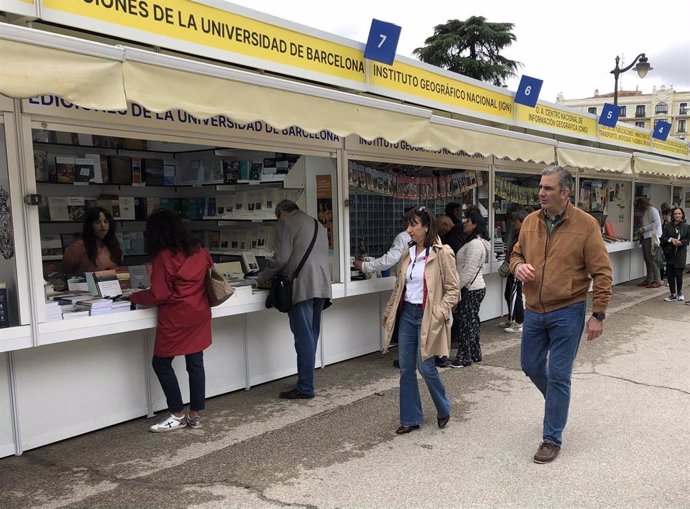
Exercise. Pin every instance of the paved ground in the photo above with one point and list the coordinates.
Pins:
(626, 445)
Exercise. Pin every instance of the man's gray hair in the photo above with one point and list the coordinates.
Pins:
(565, 178)
(286, 206)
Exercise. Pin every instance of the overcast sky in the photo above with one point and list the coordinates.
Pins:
(571, 46)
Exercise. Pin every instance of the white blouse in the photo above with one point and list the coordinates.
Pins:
(414, 279)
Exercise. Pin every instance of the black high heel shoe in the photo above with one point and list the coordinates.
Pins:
(442, 421)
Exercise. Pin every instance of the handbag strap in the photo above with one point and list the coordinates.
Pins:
(480, 269)
(306, 255)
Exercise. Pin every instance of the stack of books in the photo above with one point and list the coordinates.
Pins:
(94, 306)
(53, 311)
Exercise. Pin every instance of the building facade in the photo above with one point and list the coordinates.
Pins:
(642, 110)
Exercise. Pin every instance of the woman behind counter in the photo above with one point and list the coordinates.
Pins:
(97, 248)
(178, 288)
(421, 302)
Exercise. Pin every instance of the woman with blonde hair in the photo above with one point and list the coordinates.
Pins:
(425, 292)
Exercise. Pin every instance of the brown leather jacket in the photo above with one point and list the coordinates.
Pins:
(565, 262)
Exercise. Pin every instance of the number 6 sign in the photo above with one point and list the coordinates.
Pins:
(383, 42)
(528, 91)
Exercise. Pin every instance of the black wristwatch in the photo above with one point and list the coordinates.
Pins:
(599, 315)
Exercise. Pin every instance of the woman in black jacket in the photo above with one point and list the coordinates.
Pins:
(674, 242)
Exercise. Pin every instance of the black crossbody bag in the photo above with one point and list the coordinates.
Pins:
(280, 293)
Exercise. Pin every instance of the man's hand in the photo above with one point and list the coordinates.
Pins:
(357, 264)
(524, 272)
(594, 328)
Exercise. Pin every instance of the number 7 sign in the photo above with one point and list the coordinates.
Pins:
(383, 41)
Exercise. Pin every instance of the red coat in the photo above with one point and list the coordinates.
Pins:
(178, 289)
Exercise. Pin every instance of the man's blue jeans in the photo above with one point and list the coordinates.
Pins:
(557, 334)
(305, 324)
(410, 322)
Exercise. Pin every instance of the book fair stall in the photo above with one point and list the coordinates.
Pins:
(115, 125)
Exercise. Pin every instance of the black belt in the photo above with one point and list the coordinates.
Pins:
(415, 305)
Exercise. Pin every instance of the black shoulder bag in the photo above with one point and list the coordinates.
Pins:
(280, 293)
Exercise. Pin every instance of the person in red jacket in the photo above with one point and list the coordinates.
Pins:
(178, 288)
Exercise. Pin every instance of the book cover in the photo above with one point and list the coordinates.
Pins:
(84, 169)
(64, 138)
(41, 165)
(137, 176)
(76, 208)
(194, 208)
(153, 203)
(139, 277)
(210, 207)
(120, 169)
(57, 205)
(105, 169)
(107, 283)
(51, 245)
(231, 171)
(169, 174)
(111, 203)
(97, 177)
(153, 171)
(255, 171)
(212, 173)
(127, 208)
(140, 208)
(123, 277)
(65, 169)
(214, 239)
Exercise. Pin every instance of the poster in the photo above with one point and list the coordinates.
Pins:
(324, 203)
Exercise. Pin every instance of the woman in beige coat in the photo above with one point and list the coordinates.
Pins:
(424, 294)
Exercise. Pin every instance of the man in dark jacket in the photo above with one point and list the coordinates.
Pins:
(311, 288)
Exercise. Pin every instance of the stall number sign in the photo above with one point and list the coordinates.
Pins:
(661, 130)
(609, 115)
(383, 42)
(528, 91)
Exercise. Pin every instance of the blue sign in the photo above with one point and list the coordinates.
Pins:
(383, 42)
(661, 130)
(528, 91)
(609, 115)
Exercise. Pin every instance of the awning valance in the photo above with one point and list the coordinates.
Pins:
(595, 159)
(651, 165)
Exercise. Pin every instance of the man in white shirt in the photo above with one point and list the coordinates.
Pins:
(400, 245)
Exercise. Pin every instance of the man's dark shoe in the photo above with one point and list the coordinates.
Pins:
(406, 429)
(295, 394)
(457, 363)
(442, 362)
(442, 421)
(547, 452)
(396, 363)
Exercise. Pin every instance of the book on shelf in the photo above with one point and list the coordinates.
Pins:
(137, 176)
(212, 173)
(84, 170)
(255, 171)
(210, 207)
(249, 262)
(51, 245)
(97, 176)
(214, 239)
(123, 277)
(57, 205)
(136, 243)
(169, 171)
(231, 171)
(111, 203)
(68, 314)
(224, 205)
(153, 203)
(105, 168)
(153, 171)
(120, 169)
(193, 208)
(65, 138)
(127, 210)
(76, 208)
(140, 208)
(133, 143)
(245, 169)
(41, 165)
(44, 209)
(4, 306)
(65, 169)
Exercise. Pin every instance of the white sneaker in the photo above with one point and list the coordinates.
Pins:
(680, 297)
(513, 328)
(170, 423)
(671, 298)
(194, 423)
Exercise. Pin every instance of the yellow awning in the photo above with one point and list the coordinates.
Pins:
(28, 70)
(657, 166)
(592, 159)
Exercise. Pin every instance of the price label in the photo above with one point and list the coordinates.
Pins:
(528, 91)
(383, 42)
(661, 130)
(609, 115)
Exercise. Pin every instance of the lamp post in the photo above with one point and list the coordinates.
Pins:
(642, 68)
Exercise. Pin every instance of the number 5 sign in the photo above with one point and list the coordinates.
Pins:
(528, 91)
(383, 42)
(609, 115)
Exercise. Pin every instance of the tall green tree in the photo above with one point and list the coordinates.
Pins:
(471, 47)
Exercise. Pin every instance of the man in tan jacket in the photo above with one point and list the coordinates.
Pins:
(559, 252)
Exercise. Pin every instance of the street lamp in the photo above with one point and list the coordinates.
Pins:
(642, 68)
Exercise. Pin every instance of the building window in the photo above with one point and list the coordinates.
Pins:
(682, 128)
(639, 124)
(683, 109)
(592, 110)
(661, 109)
(639, 111)
(622, 111)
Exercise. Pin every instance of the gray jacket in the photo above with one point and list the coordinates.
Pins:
(292, 238)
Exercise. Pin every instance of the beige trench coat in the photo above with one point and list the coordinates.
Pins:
(441, 294)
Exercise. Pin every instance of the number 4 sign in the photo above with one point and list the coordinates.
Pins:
(528, 91)
(661, 130)
(383, 42)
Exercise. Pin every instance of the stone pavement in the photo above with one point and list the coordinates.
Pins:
(626, 444)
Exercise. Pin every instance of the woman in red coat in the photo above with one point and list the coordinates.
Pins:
(178, 289)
